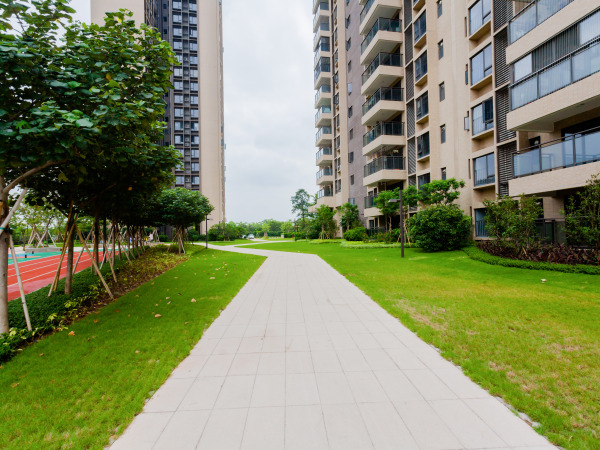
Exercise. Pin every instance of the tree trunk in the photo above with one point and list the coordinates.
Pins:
(70, 255)
(96, 251)
(3, 280)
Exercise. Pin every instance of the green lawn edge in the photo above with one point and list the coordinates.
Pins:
(79, 391)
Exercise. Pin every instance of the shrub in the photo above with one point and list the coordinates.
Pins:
(163, 238)
(582, 215)
(193, 235)
(356, 234)
(441, 227)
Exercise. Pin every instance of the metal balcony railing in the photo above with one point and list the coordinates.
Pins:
(382, 59)
(322, 110)
(532, 15)
(568, 151)
(323, 152)
(382, 24)
(327, 171)
(325, 89)
(383, 129)
(322, 131)
(384, 163)
(366, 10)
(325, 192)
(394, 94)
(573, 67)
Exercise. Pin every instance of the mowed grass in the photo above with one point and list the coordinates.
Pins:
(535, 344)
(234, 242)
(79, 391)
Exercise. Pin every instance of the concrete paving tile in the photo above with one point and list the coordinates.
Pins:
(334, 389)
(429, 385)
(296, 343)
(426, 427)
(275, 329)
(251, 345)
(326, 361)
(352, 360)
(385, 427)
(217, 365)
(224, 429)
(235, 331)
(265, 429)
(143, 432)
(319, 342)
(305, 428)
(299, 362)
(365, 341)
(236, 392)
(343, 341)
(244, 364)
(183, 431)
(296, 329)
(227, 346)
(271, 363)
(460, 384)
(388, 340)
(190, 367)
(405, 359)
(345, 428)
(397, 386)
(378, 359)
(202, 394)
(169, 396)
(205, 346)
(269, 390)
(301, 389)
(215, 331)
(365, 387)
(273, 344)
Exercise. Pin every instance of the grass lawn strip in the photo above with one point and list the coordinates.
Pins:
(535, 344)
(82, 386)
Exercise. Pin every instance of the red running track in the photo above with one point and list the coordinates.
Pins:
(39, 273)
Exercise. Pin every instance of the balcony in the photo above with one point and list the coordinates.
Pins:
(325, 196)
(384, 70)
(323, 96)
(322, 32)
(531, 16)
(567, 87)
(375, 9)
(383, 169)
(324, 137)
(323, 72)
(321, 15)
(383, 105)
(323, 116)
(323, 49)
(383, 37)
(325, 176)
(384, 135)
(324, 157)
(371, 209)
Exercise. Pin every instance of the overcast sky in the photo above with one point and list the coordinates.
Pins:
(269, 112)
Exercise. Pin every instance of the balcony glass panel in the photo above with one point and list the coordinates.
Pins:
(327, 171)
(574, 67)
(484, 169)
(421, 66)
(325, 89)
(420, 27)
(422, 105)
(366, 9)
(479, 14)
(533, 15)
(480, 226)
(481, 65)
(370, 201)
(382, 59)
(322, 110)
(322, 131)
(381, 24)
(423, 147)
(323, 152)
(324, 65)
(384, 163)
(389, 94)
(566, 152)
(325, 192)
(383, 128)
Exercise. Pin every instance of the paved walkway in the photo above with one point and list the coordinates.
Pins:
(302, 359)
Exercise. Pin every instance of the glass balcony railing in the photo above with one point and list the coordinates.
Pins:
(322, 110)
(323, 6)
(325, 89)
(370, 201)
(366, 10)
(323, 66)
(384, 163)
(327, 171)
(382, 59)
(532, 15)
(324, 46)
(394, 94)
(383, 129)
(323, 152)
(567, 70)
(323, 131)
(569, 151)
(381, 24)
(325, 192)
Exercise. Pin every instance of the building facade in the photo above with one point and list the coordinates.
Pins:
(194, 108)
(504, 95)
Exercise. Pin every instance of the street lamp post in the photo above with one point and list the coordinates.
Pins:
(400, 200)
(206, 226)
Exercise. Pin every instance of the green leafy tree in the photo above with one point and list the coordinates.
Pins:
(441, 227)
(300, 204)
(324, 221)
(582, 215)
(349, 216)
(436, 192)
(387, 208)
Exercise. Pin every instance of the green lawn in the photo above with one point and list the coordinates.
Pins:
(535, 344)
(78, 391)
(234, 242)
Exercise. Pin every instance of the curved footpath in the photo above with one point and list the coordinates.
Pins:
(303, 359)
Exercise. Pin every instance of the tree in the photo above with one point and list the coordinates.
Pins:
(325, 222)
(300, 205)
(582, 215)
(436, 192)
(182, 209)
(387, 208)
(349, 216)
(440, 227)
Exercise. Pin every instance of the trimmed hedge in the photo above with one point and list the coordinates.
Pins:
(325, 241)
(356, 234)
(477, 254)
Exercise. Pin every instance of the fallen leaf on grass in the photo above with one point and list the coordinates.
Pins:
(14, 385)
(95, 320)
(72, 333)
(168, 298)
(41, 354)
(193, 300)
(137, 351)
(157, 315)
(212, 278)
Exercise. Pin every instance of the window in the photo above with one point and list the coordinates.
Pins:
(347, 21)
(193, 20)
(176, 31)
(193, 33)
(194, 113)
(349, 88)
(420, 27)
(349, 66)
(179, 58)
(351, 134)
(178, 139)
(483, 117)
(350, 157)
(194, 73)
(440, 9)
(442, 92)
(480, 228)
(467, 124)
(195, 153)
(179, 180)
(195, 167)
(178, 126)
(423, 179)
(176, 5)
(423, 145)
(193, 60)
(484, 170)
(178, 98)
(443, 173)
(481, 65)
(194, 87)
(178, 112)
(195, 140)
(479, 14)
(350, 112)
(443, 133)
(351, 179)
(193, 6)
(194, 99)
(195, 179)
(522, 67)
(178, 85)
(422, 105)
(421, 66)
(178, 71)
(176, 18)
(193, 46)
(441, 49)
(348, 44)
(177, 45)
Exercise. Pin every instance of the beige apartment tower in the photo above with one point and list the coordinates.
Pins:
(504, 95)
(194, 108)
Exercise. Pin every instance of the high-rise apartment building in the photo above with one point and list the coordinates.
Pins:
(194, 108)
(502, 94)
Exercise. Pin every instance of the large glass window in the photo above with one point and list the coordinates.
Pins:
(421, 66)
(589, 28)
(484, 169)
(483, 117)
(522, 67)
(422, 104)
(479, 14)
(423, 179)
(423, 147)
(481, 65)
(480, 228)
(420, 27)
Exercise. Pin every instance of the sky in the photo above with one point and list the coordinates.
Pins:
(269, 105)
